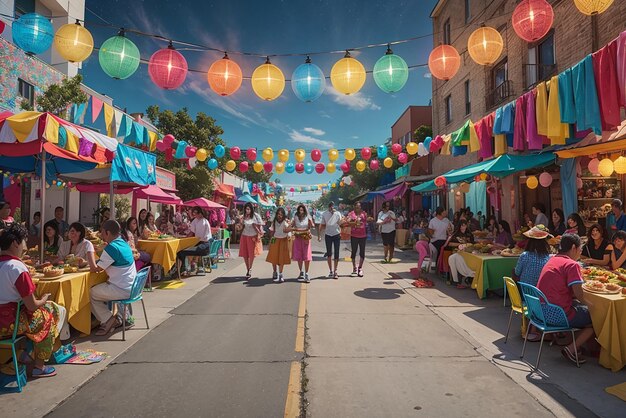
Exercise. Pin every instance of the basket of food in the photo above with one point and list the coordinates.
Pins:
(69, 269)
(52, 272)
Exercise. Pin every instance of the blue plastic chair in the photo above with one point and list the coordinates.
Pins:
(20, 370)
(136, 295)
(212, 255)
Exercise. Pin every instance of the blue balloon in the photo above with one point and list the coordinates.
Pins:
(180, 150)
(33, 33)
(219, 151)
(290, 168)
(382, 151)
(212, 164)
(308, 82)
(427, 142)
(308, 168)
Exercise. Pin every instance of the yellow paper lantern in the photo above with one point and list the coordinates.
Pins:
(591, 7)
(280, 167)
(341, 184)
(331, 168)
(606, 167)
(483, 176)
(201, 154)
(347, 75)
(360, 166)
(73, 42)
(350, 154)
(257, 167)
(333, 154)
(334, 185)
(619, 165)
(268, 82)
(283, 155)
(388, 162)
(411, 148)
(532, 182)
(268, 154)
(485, 45)
(230, 165)
(300, 155)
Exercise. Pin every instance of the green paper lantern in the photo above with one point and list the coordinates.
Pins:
(390, 72)
(119, 57)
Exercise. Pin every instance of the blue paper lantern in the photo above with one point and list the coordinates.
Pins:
(290, 167)
(382, 151)
(308, 81)
(33, 33)
(308, 168)
(427, 142)
(219, 151)
(212, 164)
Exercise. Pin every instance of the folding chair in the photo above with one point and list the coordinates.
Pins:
(20, 370)
(136, 295)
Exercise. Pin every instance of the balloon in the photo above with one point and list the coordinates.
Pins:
(168, 139)
(192, 162)
(396, 149)
(268, 166)
(360, 165)
(331, 167)
(366, 153)
(300, 155)
(243, 166)
(344, 167)
(403, 158)
(333, 154)
(220, 151)
(161, 146)
(235, 153)
(212, 164)
(421, 149)
(308, 168)
(319, 168)
(299, 168)
(347, 180)
(411, 148)
(316, 155)
(268, 154)
(436, 144)
(283, 155)
(290, 168)
(258, 167)
(251, 154)
(388, 162)
(427, 142)
(292, 190)
(382, 151)
(190, 151)
(350, 154)
(374, 165)
(280, 167)
(230, 165)
(201, 154)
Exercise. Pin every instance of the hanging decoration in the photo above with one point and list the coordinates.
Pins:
(212, 164)
(532, 19)
(235, 153)
(388, 162)
(243, 166)
(593, 166)
(347, 75)
(257, 166)
(280, 167)
(349, 154)
(396, 149)
(366, 153)
(268, 82)
(440, 181)
(620, 165)
(545, 179)
(230, 165)
(444, 62)
(283, 155)
(119, 57)
(308, 168)
(167, 68)
(224, 76)
(374, 165)
(308, 81)
(201, 154)
(33, 33)
(605, 168)
(345, 168)
(299, 168)
(319, 168)
(268, 154)
(360, 166)
(251, 154)
(268, 167)
(403, 158)
(73, 42)
(333, 154)
(300, 155)
(219, 151)
(290, 168)
(532, 182)
(381, 151)
(390, 72)
(485, 45)
(592, 7)
(316, 155)
(412, 148)
(331, 168)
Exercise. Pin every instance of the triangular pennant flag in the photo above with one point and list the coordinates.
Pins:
(108, 120)
(119, 116)
(25, 126)
(79, 113)
(96, 108)
(154, 137)
(125, 127)
(51, 132)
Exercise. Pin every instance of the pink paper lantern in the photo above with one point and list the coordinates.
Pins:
(436, 144)
(190, 151)
(316, 155)
(235, 153)
(403, 158)
(374, 165)
(366, 153)
(161, 146)
(593, 166)
(168, 139)
(345, 167)
(532, 19)
(396, 149)
(167, 68)
(268, 167)
(319, 167)
(244, 166)
(299, 168)
(545, 179)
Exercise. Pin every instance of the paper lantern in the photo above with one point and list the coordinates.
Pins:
(235, 153)
(290, 167)
(201, 154)
(331, 168)
(192, 162)
(360, 165)
(308, 168)
(280, 167)
(350, 154)
(593, 166)
(333, 154)
(316, 155)
(33, 33)
(268, 154)
(168, 139)
(300, 155)
(444, 62)
(388, 162)
(212, 164)
(532, 182)
(403, 158)
(605, 168)
(119, 57)
(345, 168)
(374, 165)
(268, 82)
(483, 176)
(390, 72)
(421, 149)
(190, 151)
(381, 151)
(308, 81)
(485, 45)
(427, 143)
(257, 166)
(243, 166)
(347, 180)
(591, 7)
(230, 165)
(411, 148)
(73, 42)
(251, 154)
(167, 68)
(619, 165)
(545, 179)
(532, 19)
(579, 183)
(396, 149)
(366, 153)
(319, 168)
(341, 184)
(268, 166)
(347, 75)
(464, 187)
(440, 181)
(224, 76)
(299, 168)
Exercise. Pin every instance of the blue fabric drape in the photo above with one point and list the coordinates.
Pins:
(476, 198)
(568, 186)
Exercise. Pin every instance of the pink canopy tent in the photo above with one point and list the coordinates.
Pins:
(157, 195)
(203, 203)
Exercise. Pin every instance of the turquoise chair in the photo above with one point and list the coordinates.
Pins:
(225, 248)
(136, 295)
(20, 370)
(212, 255)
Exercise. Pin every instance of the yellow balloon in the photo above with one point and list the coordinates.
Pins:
(283, 155)
(268, 82)
(258, 166)
(347, 75)
(388, 162)
(360, 165)
(334, 185)
(411, 148)
(341, 184)
(300, 155)
(230, 165)
(333, 154)
(73, 42)
(268, 154)
(350, 154)
(532, 182)
(280, 167)
(331, 168)
(201, 154)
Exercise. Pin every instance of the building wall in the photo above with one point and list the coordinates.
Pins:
(412, 118)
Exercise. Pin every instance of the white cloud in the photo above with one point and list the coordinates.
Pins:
(355, 137)
(357, 101)
(428, 75)
(324, 115)
(314, 131)
(296, 136)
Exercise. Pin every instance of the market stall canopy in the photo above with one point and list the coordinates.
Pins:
(387, 193)
(225, 189)
(203, 203)
(157, 195)
(592, 144)
(55, 166)
(246, 198)
(266, 203)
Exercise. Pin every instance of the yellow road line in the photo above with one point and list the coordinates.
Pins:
(292, 406)
(301, 315)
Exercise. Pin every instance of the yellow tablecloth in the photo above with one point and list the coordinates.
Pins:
(72, 292)
(608, 314)
(489, 270)
(164, 252)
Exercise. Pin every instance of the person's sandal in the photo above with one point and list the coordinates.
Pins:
(46, 371)
(107, 329)
(567, 353)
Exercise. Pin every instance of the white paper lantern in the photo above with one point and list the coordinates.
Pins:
(347, 180)
(421, 149)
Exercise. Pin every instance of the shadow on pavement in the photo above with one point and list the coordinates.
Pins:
(379, 293)
(234, 279)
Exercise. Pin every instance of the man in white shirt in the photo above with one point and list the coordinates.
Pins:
(330, 223)
(201, 229)
(439, 226)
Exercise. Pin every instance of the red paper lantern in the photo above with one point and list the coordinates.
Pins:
(235, 153)
(366, 153)
(319, 168)
(396, 149)
(299, 168)
(167, 68)
(316, 155)
(244, 166)
(251, 154)
(440, 181)
(345, 168)
(224, 76)
(374, 165)
(268, 167)
(444, 62)
(532, 19)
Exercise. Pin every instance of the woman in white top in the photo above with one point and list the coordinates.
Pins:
(278, 253)
(149, 226)
(250, 236)
(79, 246)
(301, 251)
(387, 222)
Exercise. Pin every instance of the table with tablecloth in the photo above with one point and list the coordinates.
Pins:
(608, 314)
(164, 252)
(490, 269)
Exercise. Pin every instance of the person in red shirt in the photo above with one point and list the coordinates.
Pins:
(357, 219)
(561, 281)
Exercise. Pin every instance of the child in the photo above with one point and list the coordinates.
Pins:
(278, 253)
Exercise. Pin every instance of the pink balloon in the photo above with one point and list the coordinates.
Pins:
(374, 165)
(319, 167)
(403, 158)
(396, 149)
(292, 189)
(366, 153)
(344, 167)
(190, 151)
(161, 146)
(168, 139)
(235, 153)
(268, 167)
(251, 154)
(243, 166)
(299, 168)
(316, 155)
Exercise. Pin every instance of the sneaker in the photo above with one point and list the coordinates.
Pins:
(200, 271)
(360, 273)
(354, 273)
(306, 278)
(330, 274)
(274, 275)
(280, 278)
(301, 276)
(335, 276)
(276, 279)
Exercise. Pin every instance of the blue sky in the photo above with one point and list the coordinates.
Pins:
(269, 27)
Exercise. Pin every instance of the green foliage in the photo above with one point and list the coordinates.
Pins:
(122, 206)
(422, 132)
(59, 97)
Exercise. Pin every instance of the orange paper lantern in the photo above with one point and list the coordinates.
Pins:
(224, 76)
(444, 62)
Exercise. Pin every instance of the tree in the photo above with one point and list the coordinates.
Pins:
(57, 98)
(422, 132)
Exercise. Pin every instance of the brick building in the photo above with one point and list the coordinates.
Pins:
(402, 133)
(477, 90)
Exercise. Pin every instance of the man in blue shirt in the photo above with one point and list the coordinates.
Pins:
(620, 219)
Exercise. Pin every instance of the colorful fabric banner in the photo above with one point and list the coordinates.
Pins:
(119, 116)
(131, 165)
(108, 120)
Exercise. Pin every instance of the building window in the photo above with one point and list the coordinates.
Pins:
(541, 61)
(27, 91)
(446, 32)
(448, 104)
(468, 12)
(500, 84)
(468, 98)
(24, 6)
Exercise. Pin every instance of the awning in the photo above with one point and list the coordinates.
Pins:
(225, 189)
(388, 193)
(157, 195)
(203, 203)
(593, 144)
(246, 198)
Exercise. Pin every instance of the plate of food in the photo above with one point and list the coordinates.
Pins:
(52, 272)
(508, 252)
(595, 286)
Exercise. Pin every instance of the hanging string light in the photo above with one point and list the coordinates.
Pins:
(224, 76)
(390, 72)
(268, 82)
(308, 81)
(33, 33)
(167, 68)
(73, 42)
(347, 75)
(532, 19)
(119, 57)
(444, 62)
(485, 45)
(592, 7)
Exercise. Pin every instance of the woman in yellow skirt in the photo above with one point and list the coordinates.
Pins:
(278, 253)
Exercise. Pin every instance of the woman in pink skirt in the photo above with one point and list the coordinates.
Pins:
(301, 227)
(250, 236)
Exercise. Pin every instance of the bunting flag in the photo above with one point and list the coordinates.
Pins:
(154, 137)
(119, 116)
(96, 108)
(51, 131)
(126, 126)
(108, 120)
(79, 113)
(24, 126)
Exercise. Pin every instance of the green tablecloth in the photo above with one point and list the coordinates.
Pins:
(489, 271)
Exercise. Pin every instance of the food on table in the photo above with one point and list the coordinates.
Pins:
(623, 291)
(511, 252)
(480, 234)
(69, 269)
(72, 260)
(31, 270)
(613, 288)
(599, 274)
(554, 241)
(52, 271)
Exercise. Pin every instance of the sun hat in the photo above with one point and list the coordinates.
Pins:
(538, 232)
